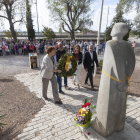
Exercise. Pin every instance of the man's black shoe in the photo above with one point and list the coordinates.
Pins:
(61, 92)
(48, 99)
(87, 84)
(92, 88)
(58, 102)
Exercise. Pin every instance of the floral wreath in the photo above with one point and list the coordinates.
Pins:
(67, 63)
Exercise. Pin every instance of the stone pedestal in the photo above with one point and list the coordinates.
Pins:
(128, 133)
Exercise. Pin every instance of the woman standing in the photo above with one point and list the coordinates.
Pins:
(37, 48)
(79, 56)
(48, 74)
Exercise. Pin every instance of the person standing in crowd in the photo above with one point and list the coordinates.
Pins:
(86, 46)
(72, 46)
(27, 48)
(3, 49)
(7, 49)
(95, 46)
(34, 47)
(12, 51)
(16, 48)
(67, 47)
(0, 49)
(79, 56)
(100, 48)
(88, 61)
(42, 47)
(104, 45)
(24, 48)
(48, 74)
(60, 53)
(45, 47)
(134, 45)
(37, 48)
(20, 48)
(31, 47)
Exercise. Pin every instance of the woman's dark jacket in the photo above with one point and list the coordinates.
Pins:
(80, 57)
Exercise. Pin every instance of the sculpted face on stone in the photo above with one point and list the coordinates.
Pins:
(119, 31)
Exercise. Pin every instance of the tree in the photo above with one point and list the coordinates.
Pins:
(73, 15)
(48, 33)
(128, 5)
(29, 24)
(118, 18)
(10, 9)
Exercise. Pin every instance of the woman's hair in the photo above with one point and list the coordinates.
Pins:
(50, 49)
(76, 47)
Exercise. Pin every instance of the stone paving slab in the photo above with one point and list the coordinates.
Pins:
(56, 122)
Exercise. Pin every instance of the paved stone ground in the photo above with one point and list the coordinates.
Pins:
(55, 122)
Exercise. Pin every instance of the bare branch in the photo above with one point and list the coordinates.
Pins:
(3, 17)
(64, 28)
(66, 23)
(78, 28)
(68, 6)
(17, 21)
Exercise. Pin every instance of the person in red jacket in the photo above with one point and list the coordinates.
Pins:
(31, 48)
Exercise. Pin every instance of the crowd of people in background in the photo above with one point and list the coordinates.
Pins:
(24, 47)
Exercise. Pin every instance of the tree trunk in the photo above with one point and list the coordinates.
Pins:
(11, 23)
(72, 34)
(13, 31)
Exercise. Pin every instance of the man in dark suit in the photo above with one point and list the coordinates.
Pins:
(89, 58)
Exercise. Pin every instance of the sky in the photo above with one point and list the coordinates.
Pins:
(45, 18)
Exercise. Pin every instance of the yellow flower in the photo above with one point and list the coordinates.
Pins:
(86, 112)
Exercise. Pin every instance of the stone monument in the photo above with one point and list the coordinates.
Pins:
(118, 66)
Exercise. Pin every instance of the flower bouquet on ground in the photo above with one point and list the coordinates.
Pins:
(84, 116)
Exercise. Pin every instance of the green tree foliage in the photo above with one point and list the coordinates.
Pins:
(11, 10)
(29, 24)
(118, 18)
(8, 34)
(128, 5)
(48, 33)
(73, 15)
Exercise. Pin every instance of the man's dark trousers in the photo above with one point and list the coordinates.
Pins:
(59, 81)
(89, 75)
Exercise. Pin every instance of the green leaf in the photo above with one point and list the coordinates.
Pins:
(86, 100)
(91, 106)
(91, 100)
